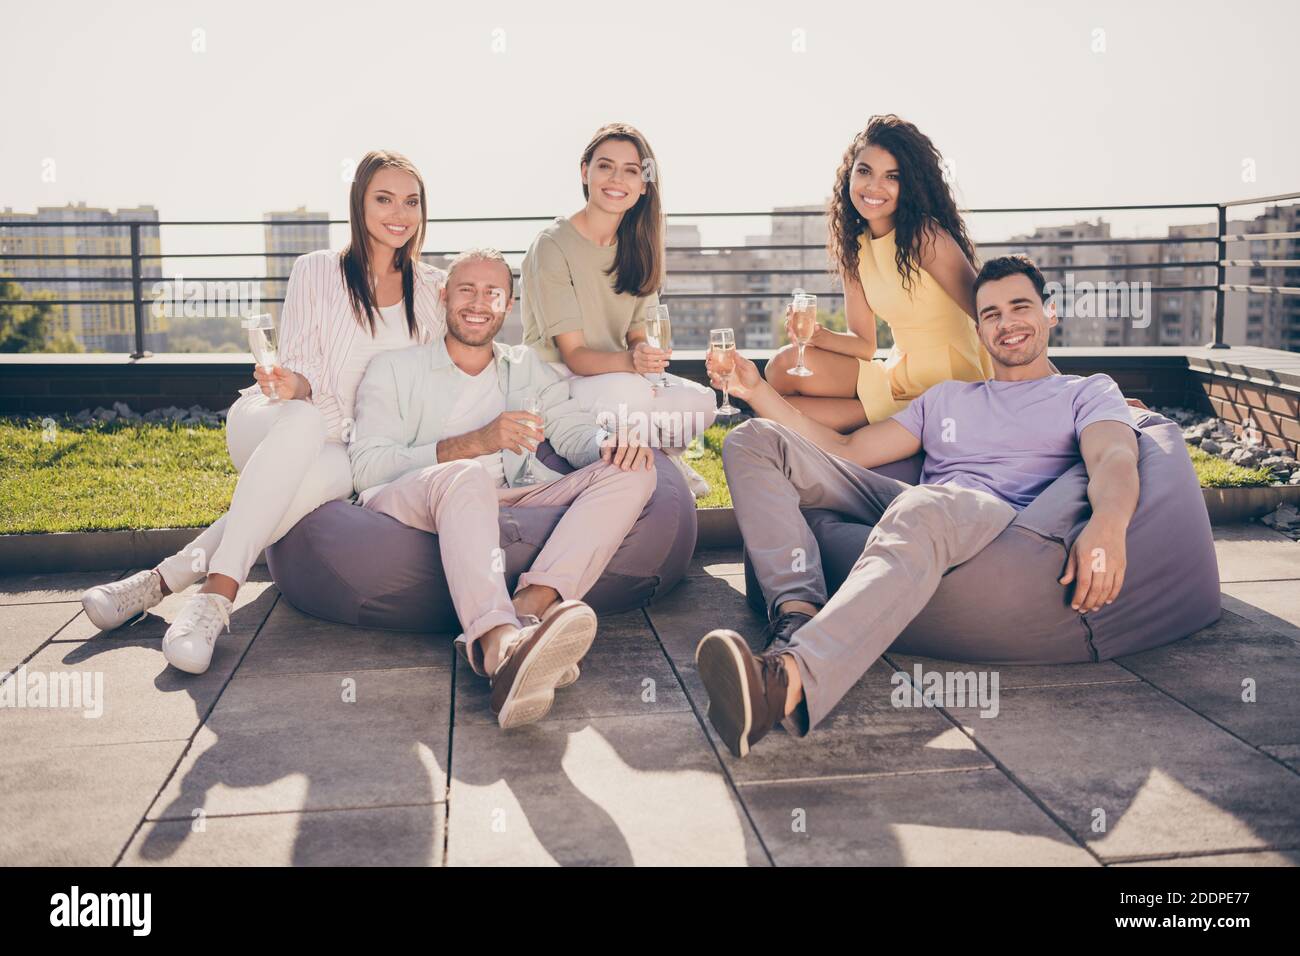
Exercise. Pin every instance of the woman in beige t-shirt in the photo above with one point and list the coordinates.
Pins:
(587, 283)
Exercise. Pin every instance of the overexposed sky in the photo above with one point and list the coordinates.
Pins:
(284, 95)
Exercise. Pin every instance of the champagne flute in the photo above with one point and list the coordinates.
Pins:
(722, 342)
(659, 334)
(802, 325)
(261, 342)
(533, 405)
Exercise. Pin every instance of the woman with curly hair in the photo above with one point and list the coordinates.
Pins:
(903, 254)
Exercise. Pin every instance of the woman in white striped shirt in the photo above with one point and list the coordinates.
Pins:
(340, 309)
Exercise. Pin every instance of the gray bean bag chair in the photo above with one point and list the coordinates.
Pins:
(346, 564)
(1007, 599)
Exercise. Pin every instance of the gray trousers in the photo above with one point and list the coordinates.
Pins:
(920, 533)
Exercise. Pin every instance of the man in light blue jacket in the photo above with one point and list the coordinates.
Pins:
(443, 436)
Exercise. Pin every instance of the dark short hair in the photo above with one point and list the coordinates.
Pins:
(1004, 266)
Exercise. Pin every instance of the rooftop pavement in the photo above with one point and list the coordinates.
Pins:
(313, 743)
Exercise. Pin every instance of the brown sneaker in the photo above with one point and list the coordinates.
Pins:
(567, 679)
(523, 687)
(746, 692)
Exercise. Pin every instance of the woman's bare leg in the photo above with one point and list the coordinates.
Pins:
(828, 395)
(842, 414)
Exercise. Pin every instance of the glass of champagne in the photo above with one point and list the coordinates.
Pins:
(261, 342)
(722, 343)
(532, 405)
(803, 323)
(659, 334)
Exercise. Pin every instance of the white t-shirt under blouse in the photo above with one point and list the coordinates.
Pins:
(391, 332)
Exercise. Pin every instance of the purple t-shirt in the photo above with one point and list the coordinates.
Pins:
(1011, 439)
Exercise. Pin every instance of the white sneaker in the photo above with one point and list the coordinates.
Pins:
(694, 480)
(109, 606)
(187, 645)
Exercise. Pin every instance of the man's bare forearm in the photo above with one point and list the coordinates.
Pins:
(768, 403)
(469, 445)
(1113, 488)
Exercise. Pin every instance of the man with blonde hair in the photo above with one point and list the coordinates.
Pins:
(443, 437)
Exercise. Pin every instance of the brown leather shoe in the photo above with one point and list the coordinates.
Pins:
(746, 692)
(523, 687)
(567, 679)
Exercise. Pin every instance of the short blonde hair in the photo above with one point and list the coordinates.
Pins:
(482, 254)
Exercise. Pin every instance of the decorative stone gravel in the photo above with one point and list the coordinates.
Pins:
(1218, 437)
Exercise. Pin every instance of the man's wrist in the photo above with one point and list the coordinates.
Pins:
(1110, 521)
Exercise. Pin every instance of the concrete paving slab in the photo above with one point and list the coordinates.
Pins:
(973, 818)
(612, 790)
(1238, 673)
(717, 562)
(1160, 779)
(1262, 858)
(624, 674)
(1289, 754)
(292, 642)
(1253, 552)
(865, 734)
(142, 698)
(46, 588)
(1027, 675)
(77, 806)
(1275, 604)
(386, 836)
(293, 742)
(25, 627)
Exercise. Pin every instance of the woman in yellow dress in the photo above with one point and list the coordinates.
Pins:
(903, 254)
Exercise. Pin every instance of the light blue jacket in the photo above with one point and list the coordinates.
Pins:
(405, 394)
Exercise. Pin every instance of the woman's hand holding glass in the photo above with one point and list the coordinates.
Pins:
(646, 359)
(280, 382)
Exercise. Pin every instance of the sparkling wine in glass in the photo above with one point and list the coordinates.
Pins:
(532, 405)
(803, 324)
(722, 343)
(261, 342)
(659, 334)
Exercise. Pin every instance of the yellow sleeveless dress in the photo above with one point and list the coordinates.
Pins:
(934, 339)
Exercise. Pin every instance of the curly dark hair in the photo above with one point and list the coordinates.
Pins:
(924, 199)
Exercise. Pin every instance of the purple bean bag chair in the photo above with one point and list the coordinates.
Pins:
(346, 564)
(1007, 598)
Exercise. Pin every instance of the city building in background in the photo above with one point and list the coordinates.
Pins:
(1174, 318)
(296, 232)
(744, 287)
(756, 281)
(90, 231)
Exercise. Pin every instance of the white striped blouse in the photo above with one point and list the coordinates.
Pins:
(318, 328)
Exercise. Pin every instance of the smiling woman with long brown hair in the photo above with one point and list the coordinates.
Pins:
(287, 434)
(902, 252)
(589, 281)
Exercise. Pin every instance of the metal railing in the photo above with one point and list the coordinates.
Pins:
(137, 257)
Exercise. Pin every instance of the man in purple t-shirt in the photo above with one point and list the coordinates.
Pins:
(991, 447)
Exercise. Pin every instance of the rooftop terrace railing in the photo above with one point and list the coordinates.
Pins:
(137, 257)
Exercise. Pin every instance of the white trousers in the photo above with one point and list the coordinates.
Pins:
(287, 469)
(672, 415)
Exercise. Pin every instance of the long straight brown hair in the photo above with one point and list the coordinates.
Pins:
(355, 259)
(639, 260)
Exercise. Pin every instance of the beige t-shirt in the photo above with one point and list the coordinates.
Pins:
(565, 289)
